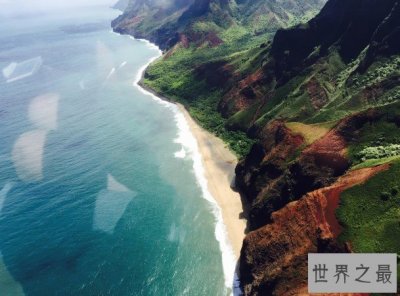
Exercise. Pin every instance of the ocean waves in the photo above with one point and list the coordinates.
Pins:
(189, 149)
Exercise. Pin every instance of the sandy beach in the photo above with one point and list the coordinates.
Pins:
(219, 163)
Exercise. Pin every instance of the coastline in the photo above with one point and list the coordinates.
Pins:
(214, 167)
(219, 163)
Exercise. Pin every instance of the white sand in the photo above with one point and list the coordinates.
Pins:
(219, 163)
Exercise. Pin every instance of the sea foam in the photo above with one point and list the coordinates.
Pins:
(190, 146)
(189, 142)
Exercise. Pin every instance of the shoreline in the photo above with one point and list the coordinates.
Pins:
(214, 168)
(219, 163)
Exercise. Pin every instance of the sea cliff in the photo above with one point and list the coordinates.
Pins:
(312, 112)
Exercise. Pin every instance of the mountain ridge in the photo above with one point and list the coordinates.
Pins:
(151, 18)
(307, 109)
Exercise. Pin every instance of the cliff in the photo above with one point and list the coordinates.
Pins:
(274, 257)
(209, 45)
(313, 111)
(334, 82)
(167, 23)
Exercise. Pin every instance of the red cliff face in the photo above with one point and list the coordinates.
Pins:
(293, 191)
(274, 257)
(263, 172)
(277, 170)
(241, 96)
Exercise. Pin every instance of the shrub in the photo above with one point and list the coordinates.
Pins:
(378, 152)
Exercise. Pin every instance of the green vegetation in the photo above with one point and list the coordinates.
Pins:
(380, 70)
(377, 140)
(201, 104)
(226, 64)
(348, 90)
(245, 33)
(379, 152)
(175, 77)
(204, 112)
(310, 132)
(370, 213)
(374, 162)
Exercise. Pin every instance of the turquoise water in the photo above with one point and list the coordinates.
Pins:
(98, 193)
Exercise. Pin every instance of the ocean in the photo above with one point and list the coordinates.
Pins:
(101, 184)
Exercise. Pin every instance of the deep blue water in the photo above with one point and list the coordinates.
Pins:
(93, 198)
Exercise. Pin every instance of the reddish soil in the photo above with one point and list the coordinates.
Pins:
(329, 151)
(133, 21)
(332, 195)
(317, 93)
(213, 39)
(274, 257)
(284, 144)
(242, 96)
(184, 41)
(250, 79)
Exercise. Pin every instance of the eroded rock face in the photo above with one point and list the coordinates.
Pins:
(368, 30)
(274, 257)
(263, 171)
(240, 97)
(293, 192)
(153, 20)
(279, 170)
(163, 21)
(349, 25)
(386, 39)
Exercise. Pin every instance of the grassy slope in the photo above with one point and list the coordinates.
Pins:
(174, 76)
(370, 214)
(344, 86)
(377, 142)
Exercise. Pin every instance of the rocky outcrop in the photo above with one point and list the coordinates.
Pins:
(282, 168)
(306, 61)
(154, 20)
(333, 72)
(292, 191)
(163, 22)
(386, 38)
(347, 25)
(279, 170)
(274, 257)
